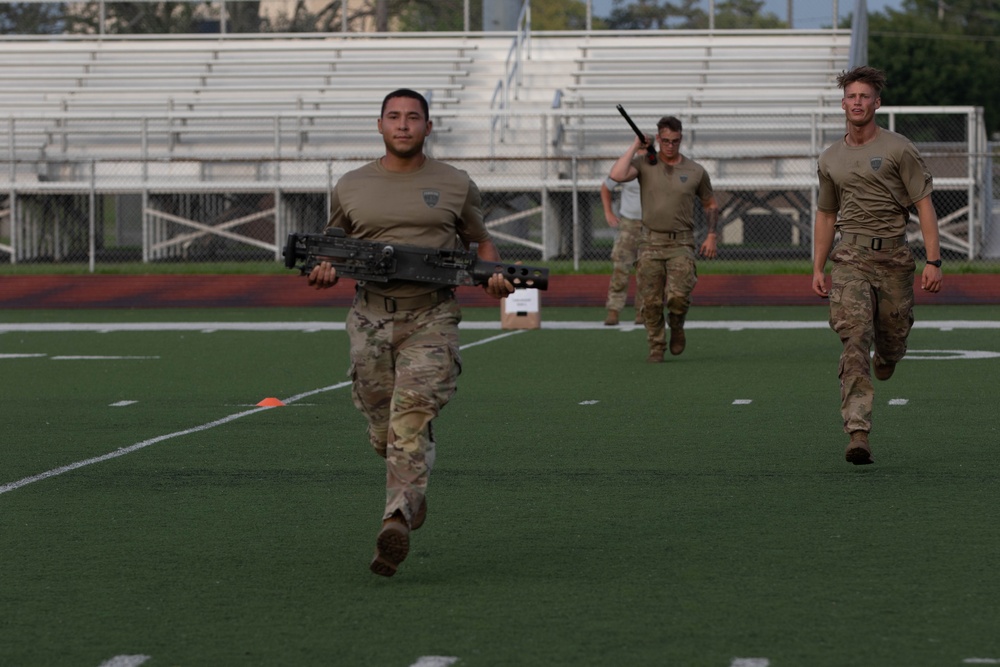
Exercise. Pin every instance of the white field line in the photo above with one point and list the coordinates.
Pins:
(125, 661)
(435, 661)
(122, 451)
(313, 327)
(84, 357)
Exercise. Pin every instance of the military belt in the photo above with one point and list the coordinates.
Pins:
(681, 236)
(391, 304)
(874, 242)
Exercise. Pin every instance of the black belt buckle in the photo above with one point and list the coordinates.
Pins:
(876, 244)
(671, 235)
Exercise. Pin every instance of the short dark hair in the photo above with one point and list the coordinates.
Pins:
(412, 94)
(672, 123)
(864, 74)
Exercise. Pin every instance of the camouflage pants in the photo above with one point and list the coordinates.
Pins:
(404, 367)
(623, 256)
(663, 269)
(871, 303)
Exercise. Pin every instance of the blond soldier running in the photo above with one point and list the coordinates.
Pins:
(668, 191)
(871, 178)
(404, 335)
(628, 222)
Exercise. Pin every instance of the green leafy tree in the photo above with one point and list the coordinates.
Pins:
(32, 19)
(441, 15)
(734, 14)
(558, 15)
(690, 15)
(640, 15)
(132, 18)
(937, 55)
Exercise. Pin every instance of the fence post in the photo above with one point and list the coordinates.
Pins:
(576, 214)
(12, 213)
(92, 197)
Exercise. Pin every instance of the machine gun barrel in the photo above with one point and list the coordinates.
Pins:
(374, 261)
(650, 149)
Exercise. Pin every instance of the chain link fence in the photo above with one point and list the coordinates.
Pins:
(184, 188)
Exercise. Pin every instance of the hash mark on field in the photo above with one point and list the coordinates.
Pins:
(21, 356)
(435, 661)
(122, 404)
(82, 357)
(981, 661)
(898, 401)
(742, 401)
(589, 402)
(125, 661)
(750, 662)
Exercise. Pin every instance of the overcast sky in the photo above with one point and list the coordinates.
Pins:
(805, 13)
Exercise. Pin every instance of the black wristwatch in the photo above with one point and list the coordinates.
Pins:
(936, 262)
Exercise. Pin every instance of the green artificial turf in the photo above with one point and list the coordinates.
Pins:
(587, 508)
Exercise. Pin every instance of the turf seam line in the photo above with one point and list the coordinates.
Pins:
(122, 451)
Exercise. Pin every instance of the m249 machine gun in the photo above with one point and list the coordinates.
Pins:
(374, 261)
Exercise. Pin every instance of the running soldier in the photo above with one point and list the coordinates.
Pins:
(404, 335)
(628, 222)
(668, 191)
(871, 178)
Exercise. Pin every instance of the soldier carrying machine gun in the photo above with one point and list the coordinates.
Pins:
(373, 261)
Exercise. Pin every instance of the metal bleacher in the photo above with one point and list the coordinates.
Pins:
(194, 123)
(313, 95)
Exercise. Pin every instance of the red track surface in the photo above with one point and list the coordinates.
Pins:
(185, 291)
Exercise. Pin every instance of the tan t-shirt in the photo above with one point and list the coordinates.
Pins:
(873, 186)
(437, 206)
(668, 193)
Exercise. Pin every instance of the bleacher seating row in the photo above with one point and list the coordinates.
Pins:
(213, 74)
(307, 96)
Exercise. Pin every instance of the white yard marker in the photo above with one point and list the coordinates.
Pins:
(125, 661)
(493, 338)
(948, 355)
(122, 404)
(742, 401)
(750, 662)
(589, 402)
(898, 401)
(81, 357)
(435, 661)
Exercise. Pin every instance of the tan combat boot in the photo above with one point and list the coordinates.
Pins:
(612, 318)
(882, 369)
(392, 546)
(677, 341)
(858, 452)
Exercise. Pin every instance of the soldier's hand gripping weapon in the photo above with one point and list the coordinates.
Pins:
(374, 261)
(650, 149)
